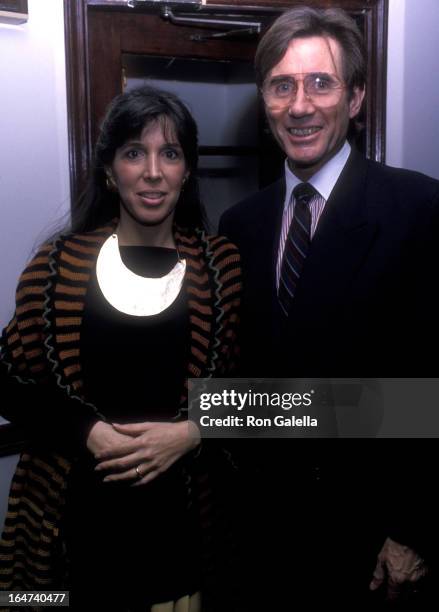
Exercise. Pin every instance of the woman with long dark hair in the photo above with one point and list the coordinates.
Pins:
(111, 320)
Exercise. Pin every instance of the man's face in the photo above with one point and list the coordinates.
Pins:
(309, 132)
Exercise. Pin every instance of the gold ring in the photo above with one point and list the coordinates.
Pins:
(138, 472)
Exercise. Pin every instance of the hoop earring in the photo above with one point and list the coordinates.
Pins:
(110, 184)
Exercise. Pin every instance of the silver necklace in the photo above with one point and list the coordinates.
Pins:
(132, 294)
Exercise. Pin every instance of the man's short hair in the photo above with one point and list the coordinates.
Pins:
(303, 22)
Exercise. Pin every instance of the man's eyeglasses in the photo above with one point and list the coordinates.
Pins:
(321, 88)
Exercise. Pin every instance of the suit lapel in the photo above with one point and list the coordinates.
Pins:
(265, 229)
(277, 217)
(342, 241)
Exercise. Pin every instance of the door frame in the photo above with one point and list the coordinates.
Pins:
(84, 98)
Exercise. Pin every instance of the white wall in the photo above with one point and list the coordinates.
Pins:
(34, 188)
(413, 85)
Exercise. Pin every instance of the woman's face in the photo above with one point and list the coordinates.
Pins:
(149, 172)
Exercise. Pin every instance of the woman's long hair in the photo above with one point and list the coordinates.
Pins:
(126, 117)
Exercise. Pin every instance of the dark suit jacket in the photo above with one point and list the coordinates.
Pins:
(366, 306)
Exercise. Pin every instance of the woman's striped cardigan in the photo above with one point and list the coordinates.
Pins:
(40, 350)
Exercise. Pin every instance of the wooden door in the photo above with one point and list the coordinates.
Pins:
(107, 41)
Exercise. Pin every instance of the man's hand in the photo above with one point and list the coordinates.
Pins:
(398, 568)
(150, 450)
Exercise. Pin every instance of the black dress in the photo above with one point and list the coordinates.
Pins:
(132, 547)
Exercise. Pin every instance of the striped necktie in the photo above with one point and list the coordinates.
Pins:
(296, 245)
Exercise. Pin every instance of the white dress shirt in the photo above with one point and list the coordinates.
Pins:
(323, 182)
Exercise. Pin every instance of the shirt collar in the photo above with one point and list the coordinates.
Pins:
(324, 180)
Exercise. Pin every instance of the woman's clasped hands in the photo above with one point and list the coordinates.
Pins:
(139, 452)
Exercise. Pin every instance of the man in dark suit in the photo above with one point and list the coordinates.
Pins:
(339, 271)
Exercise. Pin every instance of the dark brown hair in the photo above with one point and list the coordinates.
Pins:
(303, 22)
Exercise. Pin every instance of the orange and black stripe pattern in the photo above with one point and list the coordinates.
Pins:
(41, 346)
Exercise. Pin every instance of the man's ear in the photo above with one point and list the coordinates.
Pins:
(356, 101)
